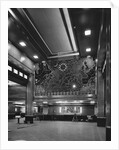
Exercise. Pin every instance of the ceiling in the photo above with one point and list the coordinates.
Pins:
(54, 33)
(83, 19)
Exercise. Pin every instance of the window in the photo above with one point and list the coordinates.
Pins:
(21, 74)
(15, 71)
(80, 110)
(9, 68)
(25, 76)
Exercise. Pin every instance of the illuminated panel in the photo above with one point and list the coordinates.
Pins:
(35, 56)
(25, 76)
(73, 86)
(87, 32)
(45, 102)
(88, 49)
(23, 44)
(92, 102)
(15, 71)
(9, 68)
(80, 110)
(21, 74)
(60, 109)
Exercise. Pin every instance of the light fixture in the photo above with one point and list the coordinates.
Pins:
(88, 49)
(35, 56)
(9, 68)
(75, 108)
(74, 86)
(21, 74)
(89, 95)
(22, 59)
(60, 109)
(59, 102)
(80, 110)
(25, 76)
(19, 103)
(62, 102)
(87, 32)
(45, 102)
(23, 44)
(96, 60)
(92, 102)
(15, 71)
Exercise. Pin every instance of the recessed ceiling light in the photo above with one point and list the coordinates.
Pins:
(22, 58)
(88, 49)
(74, 86)
(87, 32)
(35, 56)
(23, 44)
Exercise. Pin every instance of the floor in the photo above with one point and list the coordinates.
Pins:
(55, 131)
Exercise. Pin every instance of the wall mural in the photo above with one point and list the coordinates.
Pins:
(65, 76)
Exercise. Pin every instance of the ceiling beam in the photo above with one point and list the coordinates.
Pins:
(36, 30)
(70, 30)
(64, 55)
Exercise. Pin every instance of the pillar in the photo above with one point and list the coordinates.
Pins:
(29, 99)
(108, 100)
(101, 120)
(108, 91)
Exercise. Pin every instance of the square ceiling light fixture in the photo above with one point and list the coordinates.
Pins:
(23, 44)
(35, 56)
(88, 49)
(87, 32)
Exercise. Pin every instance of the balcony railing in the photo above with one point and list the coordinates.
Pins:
(65, 93)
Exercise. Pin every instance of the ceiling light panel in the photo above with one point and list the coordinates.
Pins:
(88, 49)
(35, 56)
(87, 32)
(23, 44)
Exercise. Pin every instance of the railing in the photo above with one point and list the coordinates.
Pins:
(65, 93)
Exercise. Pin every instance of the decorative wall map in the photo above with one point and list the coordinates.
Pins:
(65, 75)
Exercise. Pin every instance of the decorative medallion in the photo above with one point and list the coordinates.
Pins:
(62, 66)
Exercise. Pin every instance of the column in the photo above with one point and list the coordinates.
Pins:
(108, 98)
(29, 99)
(108, 75)
(101, 120)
